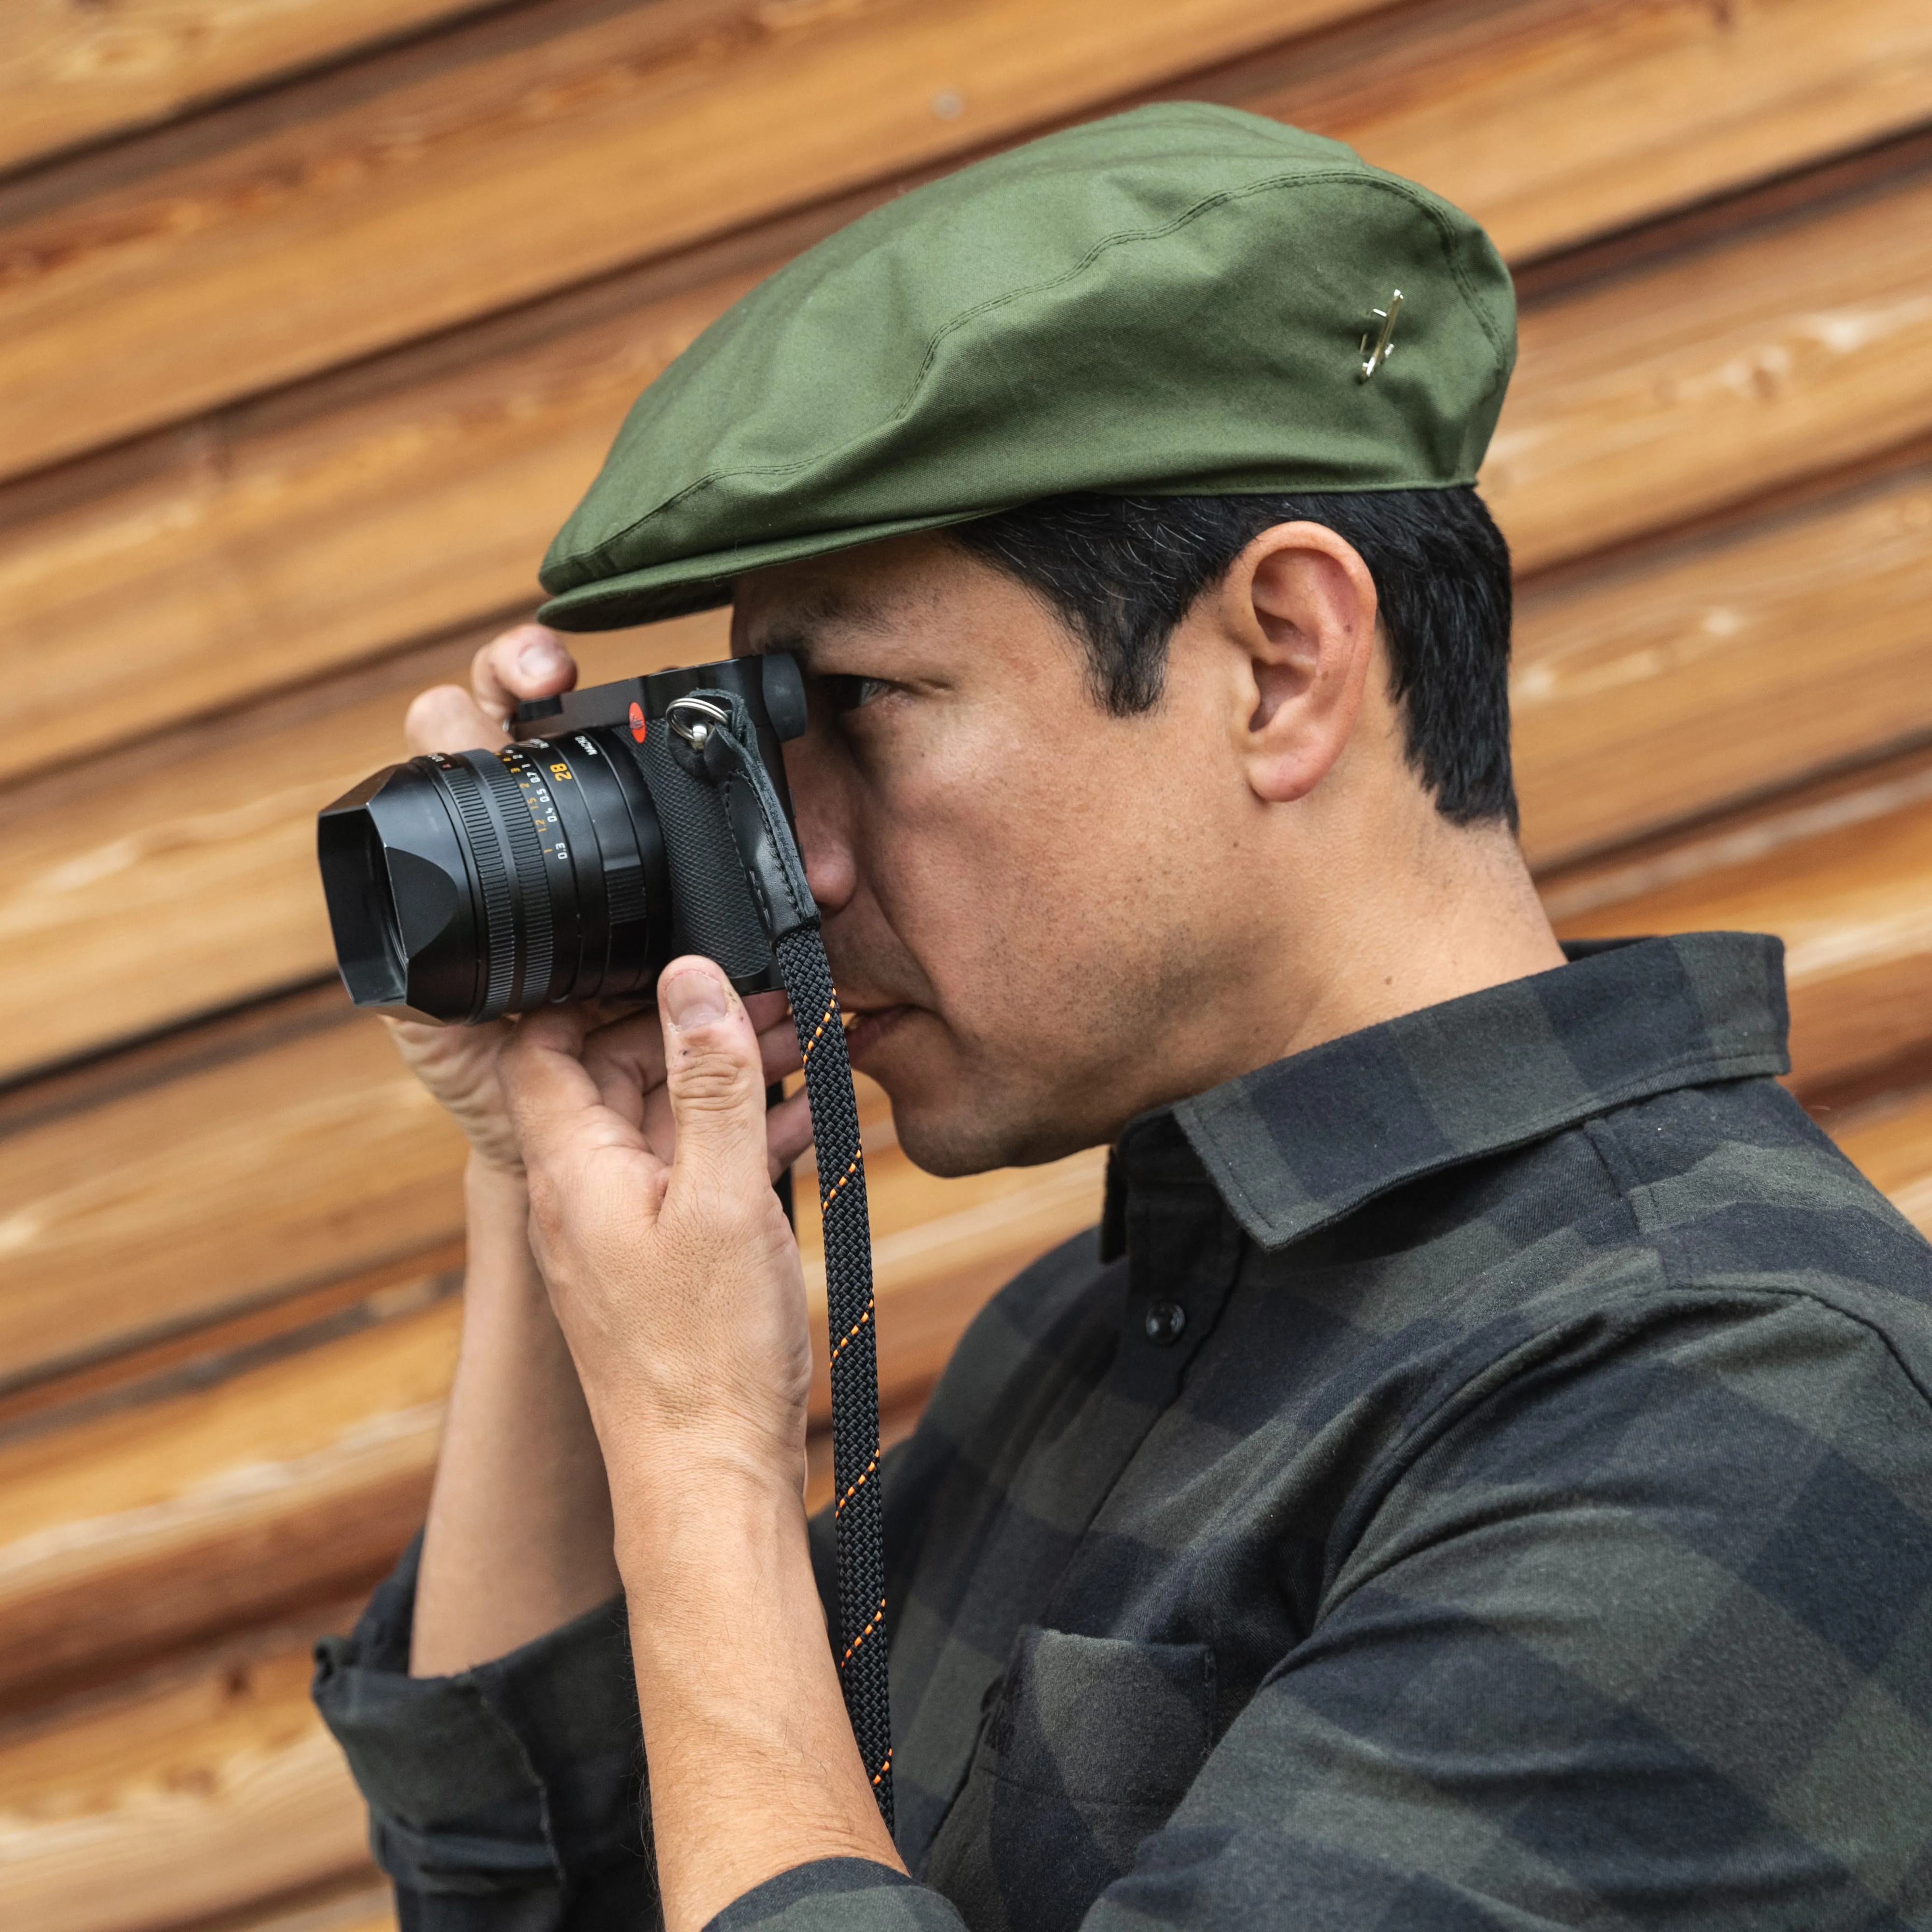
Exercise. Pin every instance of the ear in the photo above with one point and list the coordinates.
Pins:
(1300, 606)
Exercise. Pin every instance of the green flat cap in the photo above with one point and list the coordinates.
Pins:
(1169, 302)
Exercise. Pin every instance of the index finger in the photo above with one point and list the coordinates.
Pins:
(528, 661)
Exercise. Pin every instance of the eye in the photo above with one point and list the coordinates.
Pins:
(844, 693)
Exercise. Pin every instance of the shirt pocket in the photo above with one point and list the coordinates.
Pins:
(1093, 1743)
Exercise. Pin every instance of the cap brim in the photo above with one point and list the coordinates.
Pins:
(703, 583)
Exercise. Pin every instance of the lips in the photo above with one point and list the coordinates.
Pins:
(865, 1029)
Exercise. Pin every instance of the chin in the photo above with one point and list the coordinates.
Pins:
(955, 1136)
(946, 1144)
(952, 1118)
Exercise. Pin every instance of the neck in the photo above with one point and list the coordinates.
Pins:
(1428, 911)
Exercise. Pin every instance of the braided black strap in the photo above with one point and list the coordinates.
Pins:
(718, 741)
(855, 1372)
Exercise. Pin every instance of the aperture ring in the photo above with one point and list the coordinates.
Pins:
(499, 915)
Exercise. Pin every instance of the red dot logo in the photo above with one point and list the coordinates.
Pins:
(638, 726)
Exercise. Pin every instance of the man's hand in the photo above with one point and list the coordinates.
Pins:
(458, 1064)
(670, 1264)
(677, 1282)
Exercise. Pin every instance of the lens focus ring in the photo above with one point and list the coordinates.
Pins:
(499, 918)
(533, 881)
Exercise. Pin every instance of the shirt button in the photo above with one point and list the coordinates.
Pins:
(1164, 1323)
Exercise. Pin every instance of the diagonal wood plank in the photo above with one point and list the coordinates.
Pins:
(1892, 1143)
(197, 1357)
(1726, 372)
(74, 73)
(1841, 871)
(198, 1793)
(1679, 678)
(228, 1185)
(284, 538)
(1524, 113)
(511, 158)
(205, 843)
(358, 1905)
(169, 1521)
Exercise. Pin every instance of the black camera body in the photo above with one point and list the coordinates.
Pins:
(573, 866)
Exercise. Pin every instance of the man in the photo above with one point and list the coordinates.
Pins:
(1480, 1473)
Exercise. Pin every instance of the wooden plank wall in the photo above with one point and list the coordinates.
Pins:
(315, 316)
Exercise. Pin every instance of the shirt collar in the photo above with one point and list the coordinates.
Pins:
(1298, 1143)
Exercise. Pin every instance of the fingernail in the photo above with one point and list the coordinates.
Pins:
(694, 1000)
(541, 657)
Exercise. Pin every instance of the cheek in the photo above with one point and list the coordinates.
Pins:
(999, 872)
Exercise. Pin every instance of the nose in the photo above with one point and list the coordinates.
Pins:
(824, 837)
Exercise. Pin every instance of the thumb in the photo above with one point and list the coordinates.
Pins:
(714, 1079)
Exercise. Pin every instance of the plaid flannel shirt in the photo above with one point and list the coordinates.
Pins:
(1483, 1479)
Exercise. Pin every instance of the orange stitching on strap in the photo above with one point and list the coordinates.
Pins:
(825, 1194)
(838, 1508)
(852, 1648)
(824, 1021)
(838, 1346)
(885, 1765)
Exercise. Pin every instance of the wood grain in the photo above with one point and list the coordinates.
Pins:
(1842, 872)
(71, 73)
(155, 1526)
(1677, 679)
(1458, 97)
(204, 844)
(262, 546)
(212, 1352)
(1892, 1143)
(358, 1906)
(231, 1185)
(179, 1798)
(1726, 373)
(266, 542)
(512, 158)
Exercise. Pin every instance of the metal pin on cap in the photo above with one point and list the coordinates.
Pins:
(1373, 359)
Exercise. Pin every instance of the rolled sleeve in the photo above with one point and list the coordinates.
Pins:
(505, 1799)
(839, 1895)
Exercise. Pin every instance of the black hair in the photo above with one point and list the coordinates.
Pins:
(1122, 571)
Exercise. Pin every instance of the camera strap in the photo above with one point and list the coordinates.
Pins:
(718, 741)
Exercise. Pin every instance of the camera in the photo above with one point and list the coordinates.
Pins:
(569, 866)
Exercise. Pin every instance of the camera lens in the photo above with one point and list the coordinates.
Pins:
(467, 886)
(572, 866)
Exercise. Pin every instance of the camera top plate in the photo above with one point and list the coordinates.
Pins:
(771, 685)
